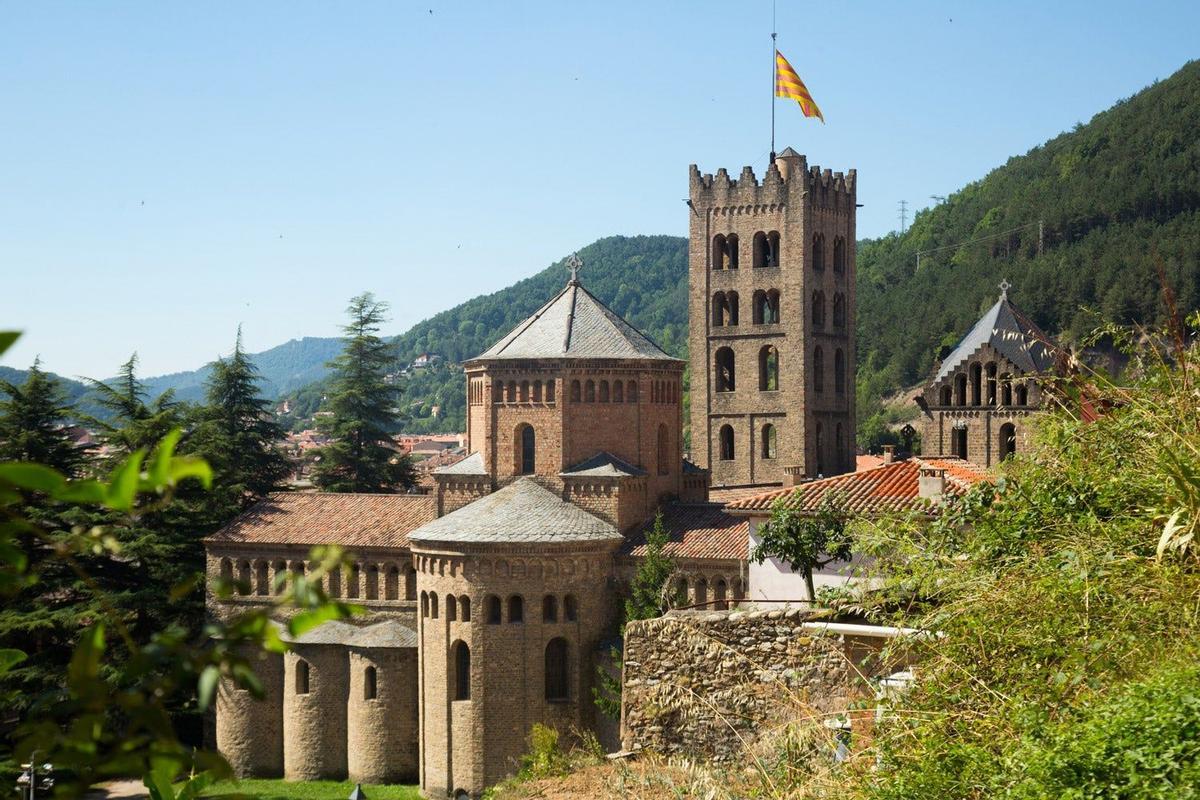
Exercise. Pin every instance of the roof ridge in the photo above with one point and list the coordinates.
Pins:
(524, 326)
(617, 321)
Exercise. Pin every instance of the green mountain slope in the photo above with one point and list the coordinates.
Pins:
(1115, 197)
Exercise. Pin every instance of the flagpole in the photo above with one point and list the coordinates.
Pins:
(774, 51)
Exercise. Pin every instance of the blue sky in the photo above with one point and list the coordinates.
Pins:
(171, 170)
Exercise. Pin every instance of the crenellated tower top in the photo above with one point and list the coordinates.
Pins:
(788, 177)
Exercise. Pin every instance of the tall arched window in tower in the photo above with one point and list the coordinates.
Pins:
(370, 684)
(618, 391)
(461, 656)
(558, 681)
(549, 608)
(516, 608)
(1008, 440)
(958, 442)
(769, 444)
(526, 447)
(731, 246)
(510, 395)
(731, 307)
(719, 252)
(818, 309)
(960, 389)
(603, 391)
(818, 370)
(991, 383)
(493, 605)
(589, 391)
(570, 608)
(1022, 394)
(839, 255)
(768, 369)
(576, 392)
(761, 250)
(631, 392)
(391, 583)
(818, 252)
(773, 249)
(725, 370)
(720, 310)
(663, 450)
(839, 310)
(758, 304)
(262, 578)
(947, 395)
(839, 371)
(976, 384)
(1006, 390)
(772, 316)
(726, 435)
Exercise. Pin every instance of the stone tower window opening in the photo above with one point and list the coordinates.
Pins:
(618, 391)
(991, 383)
(549, 608)
(768, 369)
(760, 250)
(818, 309)
(372, 582)
(516, 609)
(1022, 393)
(524, 391)
(334, 581)
(550, 391)
(1008, 440)
(280, 576)
(725, 374)
(773, 249)
(720, 251)
(511, 395)
(461, 657)
(433, 605)
(839, 255)
(726, 436)
(558, 683)
(631, 392)
(958, 440)
(391, 584)
(498, 392)
(262, 578)
(410, 583)
(589, 391)
(1006, 390)
(301, 677)
(839, 310)
(720, 592)
(976, 384)
(604, 395)
(537, 391)
(526, 447)
(493, 605)
(570, 608)
(731, 247)
(663, 451)
(960, 389)
(818, 252)
(464, 609)
(818, 370)
(769, 441)
(731, 306)
(370, 684)
(451, 608)
(245, 578)
(353, 584)
(839, 371)
(947, 396)
(771, 314)
(576, 394)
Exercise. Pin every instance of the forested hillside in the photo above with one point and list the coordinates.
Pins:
(1115, 197)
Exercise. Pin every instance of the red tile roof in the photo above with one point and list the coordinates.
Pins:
(353, 520)
(867, 462)
(891, 487)
(697, 530)
(722, 495)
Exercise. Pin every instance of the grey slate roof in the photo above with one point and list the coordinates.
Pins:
(1011, 333)
(575, 324)
(524, 512)
(388, 633)
(471, 465)
(604, 465)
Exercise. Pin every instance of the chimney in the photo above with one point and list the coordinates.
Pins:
(931, 483)
(793, 476)
(889, 453)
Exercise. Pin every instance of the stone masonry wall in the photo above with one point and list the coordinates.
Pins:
(690, 677)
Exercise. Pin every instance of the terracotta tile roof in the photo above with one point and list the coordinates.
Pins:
(697, 530)
(867, 462)
(722, 495)
(887, 488)
(354, 520)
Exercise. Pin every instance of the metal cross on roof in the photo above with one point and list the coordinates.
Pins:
(574, 263)
(1004, 287)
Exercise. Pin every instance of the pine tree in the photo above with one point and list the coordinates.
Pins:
(362, 456)
(33, 424)
(648, 593)
(133, 423)
(236, 434)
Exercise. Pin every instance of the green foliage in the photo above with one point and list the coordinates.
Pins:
(363, 401)
(805, 541)
(33, 421)
(545, 757)
(131, 422)
(307, 790)
(648, 592)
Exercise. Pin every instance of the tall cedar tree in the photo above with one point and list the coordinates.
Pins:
(649, 595)
(238, 437)
(133, 423)
(362, 457)
(33, 424)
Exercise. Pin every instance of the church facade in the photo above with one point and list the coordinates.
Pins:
(491, 600)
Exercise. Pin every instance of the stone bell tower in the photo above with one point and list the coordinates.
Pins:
(772, 306)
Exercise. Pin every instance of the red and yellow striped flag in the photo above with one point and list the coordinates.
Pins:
(788, 84)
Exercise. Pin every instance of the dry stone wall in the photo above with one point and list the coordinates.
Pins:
(699, 684)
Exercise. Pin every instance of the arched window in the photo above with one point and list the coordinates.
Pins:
(516, 608)
(839, 255)
(958, 442)
(1006, 390)
(663, 452)
(679, 597)
(839, 310)
(451, 608)
(550, 391)
(370, 684)
(524, 391)
(991, 383)
(731, 306)
(1008, 440)
(773, 249)
(1022, 394)
(410, 583)
(262, 578)
(570, 608)
(818, 252)
(603, 391)
(493, 605)
(772, 316)
(354, 582)
(589, 391)
(726, 378)
(976, 384)
(373, 582)
(302, 677)
(701, 592)
(433, 605)
(226, 570)
(297, 571)
(818, 370)
(839, 371)
(245, 577)
(558, 684)
(758, 305)
(768, 441)
(720, 592)
(334, 580)
(719, 251)
(498, 392)
(761, 250)
(819, 442)
(631, 392)
(618, 391)
(526, 441)
(461, 656)
(768, 369)
(731, 246)
(391, 585)
(818, 309)
(960, 389)
(464, 609)
(726, 442)
(511, 395)
(537, 391)
(947, 395)
(576, 395)
(549, 608)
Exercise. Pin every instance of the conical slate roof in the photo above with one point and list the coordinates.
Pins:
(1011, 333)
(524, 512)
(575, 324)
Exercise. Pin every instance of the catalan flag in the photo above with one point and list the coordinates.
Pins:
(788, 84)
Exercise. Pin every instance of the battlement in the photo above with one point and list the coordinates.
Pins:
(788, 174)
